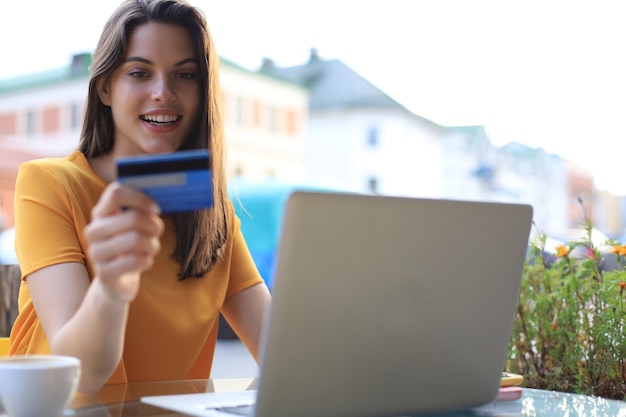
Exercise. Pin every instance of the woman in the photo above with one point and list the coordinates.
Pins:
(135, 295)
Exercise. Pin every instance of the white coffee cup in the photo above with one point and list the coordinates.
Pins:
(38, 385)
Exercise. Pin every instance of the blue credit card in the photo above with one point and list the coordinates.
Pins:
(178, 181)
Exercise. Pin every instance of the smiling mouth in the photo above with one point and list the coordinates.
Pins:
(160, 120)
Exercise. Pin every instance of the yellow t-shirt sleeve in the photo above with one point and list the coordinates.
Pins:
(46, 233)
(244, 273)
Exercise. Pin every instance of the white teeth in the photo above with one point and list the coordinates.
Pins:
(160, 118)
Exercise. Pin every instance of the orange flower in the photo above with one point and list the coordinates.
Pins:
(554, 326)
(622, 250)
(616, 249)
(622, 285)
(562, 250)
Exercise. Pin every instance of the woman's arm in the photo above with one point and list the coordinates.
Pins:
(88, 320)
(80, 320)
(245, 313)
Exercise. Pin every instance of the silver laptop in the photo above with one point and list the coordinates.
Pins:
(383, 306)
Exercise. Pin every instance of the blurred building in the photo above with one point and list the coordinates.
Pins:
(613, 209)
(265, 125)
(358, 137)
(581, 190)
(470, 164)
(323, 124)
(534, 176)
(41, 115)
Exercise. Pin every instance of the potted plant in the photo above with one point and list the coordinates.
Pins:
(568, 331)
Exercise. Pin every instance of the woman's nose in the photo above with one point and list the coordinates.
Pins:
(161, 90)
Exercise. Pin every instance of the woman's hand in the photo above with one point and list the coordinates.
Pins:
(123, 239)
(87, 318)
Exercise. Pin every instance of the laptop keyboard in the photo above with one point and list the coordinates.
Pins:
(240, 410)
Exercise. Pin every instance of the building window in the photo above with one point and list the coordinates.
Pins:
(273, 119)
(8, 124)
(292, 121)
(75, 115)
(50, 120)
(373, 137)
(239, 111)
(31, 122)
(226, 105)
(372, 185)
(257, 112)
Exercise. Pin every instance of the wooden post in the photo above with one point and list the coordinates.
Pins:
(10, 278)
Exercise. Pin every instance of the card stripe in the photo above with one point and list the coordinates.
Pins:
(175, 162)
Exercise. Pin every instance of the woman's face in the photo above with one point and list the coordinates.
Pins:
(155, 94)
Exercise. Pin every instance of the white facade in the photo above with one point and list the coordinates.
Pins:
(384, 151)
(539, 180)
(468, 164)
(414, 157)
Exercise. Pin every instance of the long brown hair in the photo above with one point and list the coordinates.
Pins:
(199, 234)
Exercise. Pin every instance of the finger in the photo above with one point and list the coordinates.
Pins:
(130, 243)
(117, 197)
(128, 221)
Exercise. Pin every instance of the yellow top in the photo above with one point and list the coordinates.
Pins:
(4, 346)
(172, 326)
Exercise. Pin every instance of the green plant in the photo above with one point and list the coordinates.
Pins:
(568, 331)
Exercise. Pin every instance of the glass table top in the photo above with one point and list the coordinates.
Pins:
(124, 400)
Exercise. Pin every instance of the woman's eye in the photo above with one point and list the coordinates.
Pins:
(138, 74)
(187, 75)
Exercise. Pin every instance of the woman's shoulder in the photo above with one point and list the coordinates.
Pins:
(74, 162)
(76, 158)
(69, 171)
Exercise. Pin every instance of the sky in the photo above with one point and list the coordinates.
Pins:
(549, 74)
